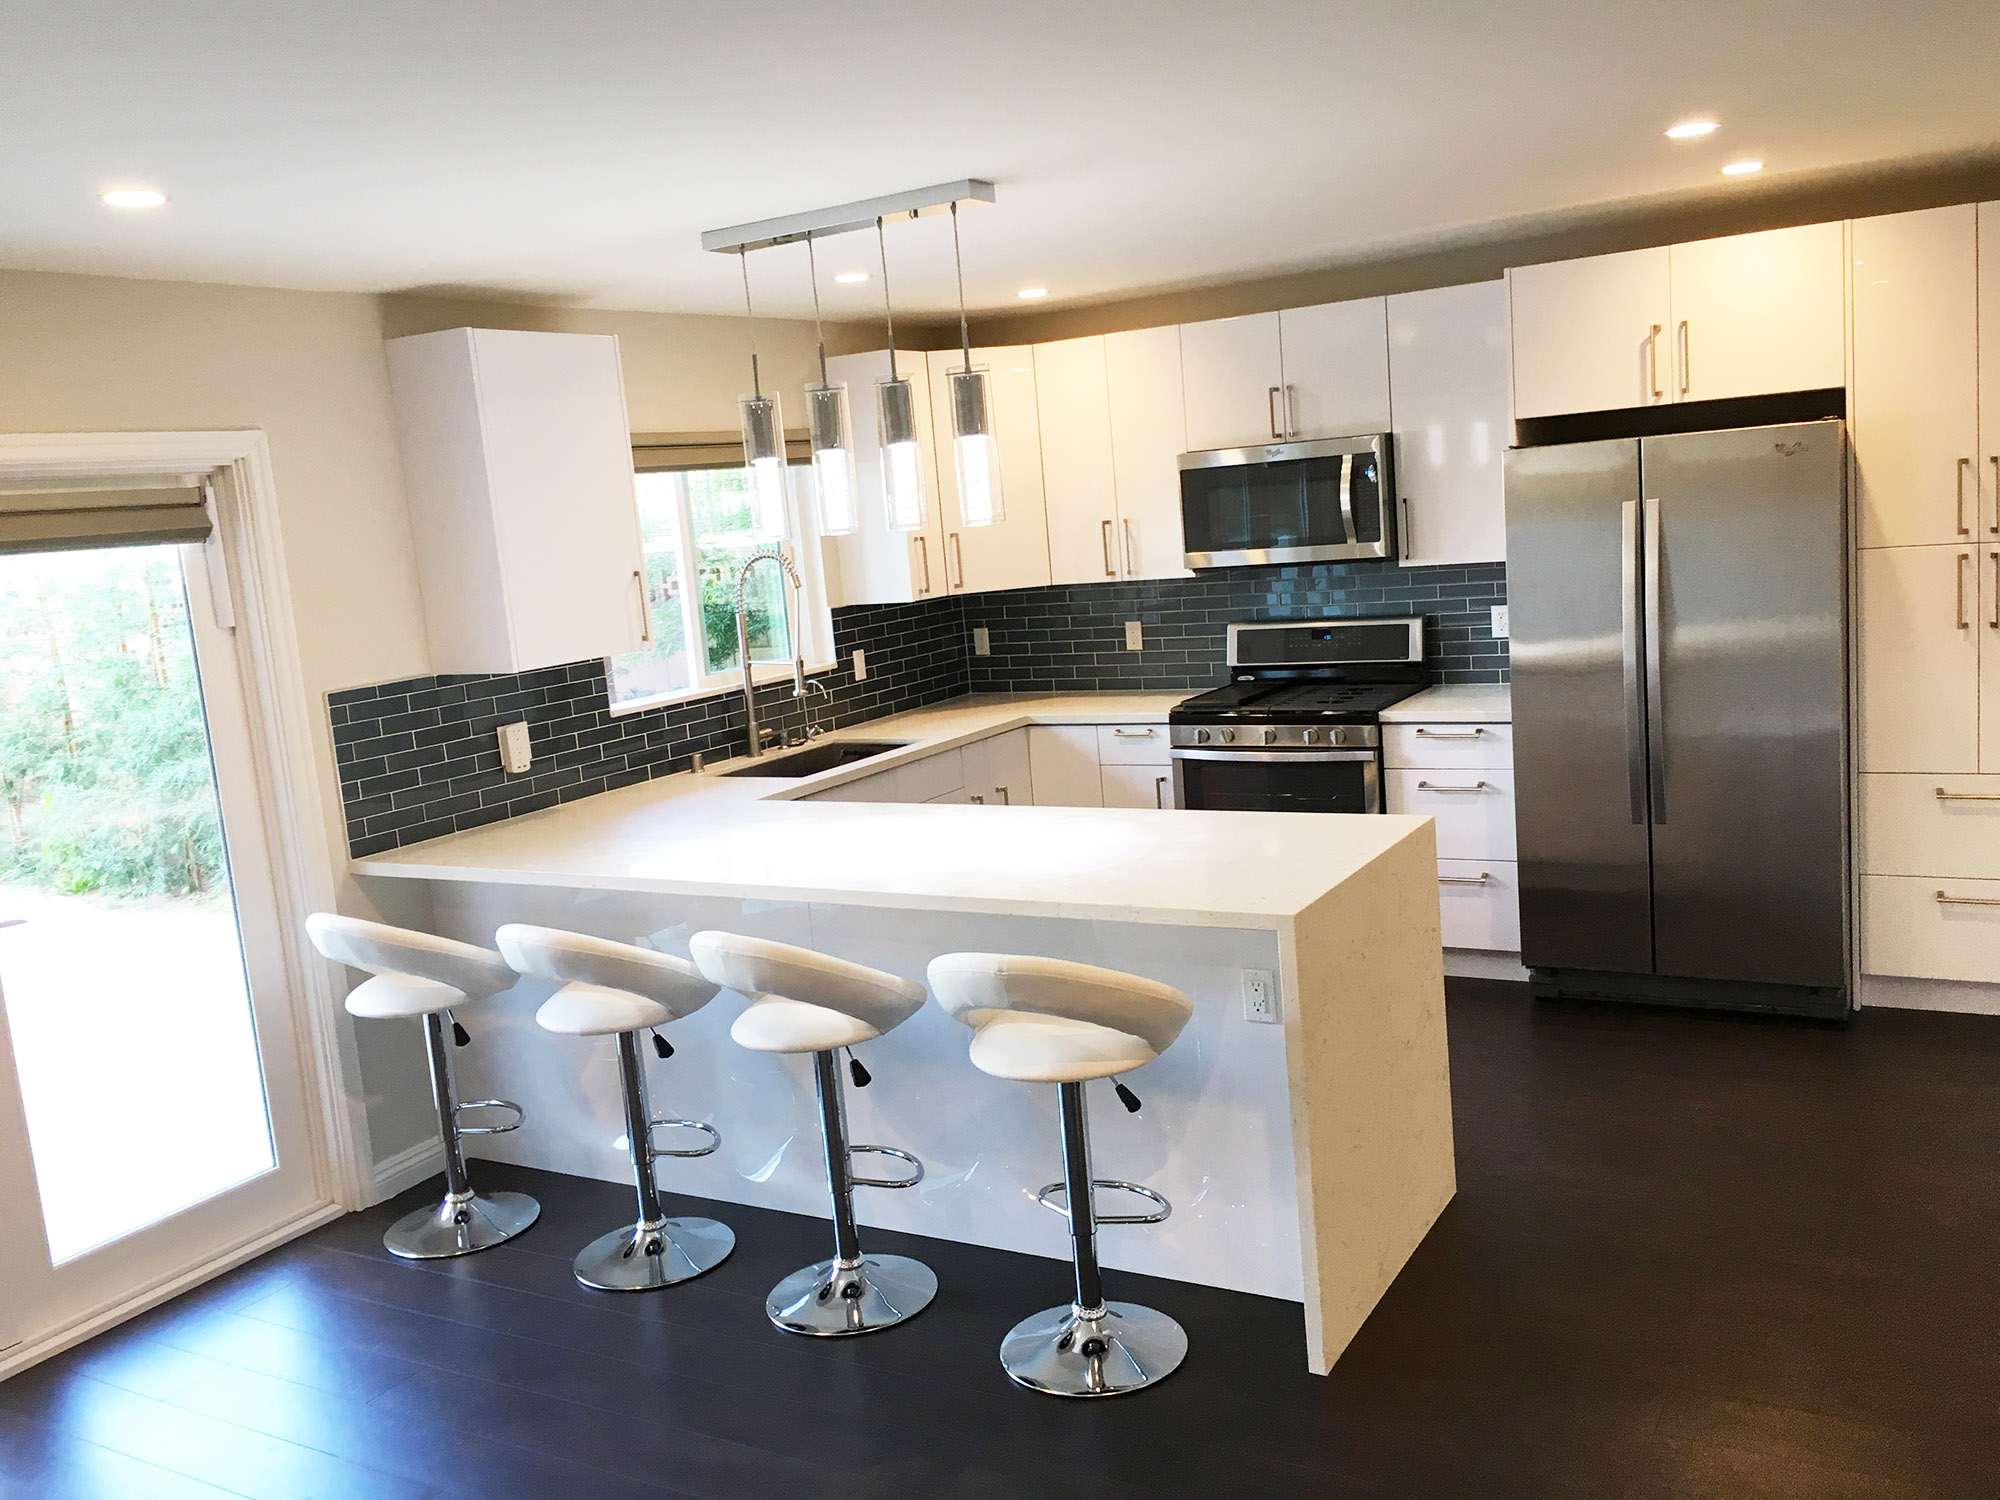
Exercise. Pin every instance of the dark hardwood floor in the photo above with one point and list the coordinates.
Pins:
(1691, 1255)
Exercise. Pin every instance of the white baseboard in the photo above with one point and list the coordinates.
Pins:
(1930, 994)
(34, 1351)
(406, 1169)
(1475, 963)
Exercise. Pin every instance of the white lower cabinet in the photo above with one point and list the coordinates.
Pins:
(1062, 762)
(1922, 619)
(1132, 744)
(1462, 777)
(1479, 904)
(1473, 809)
(1930, 888)
(1931, 927)
(998, 771)
(1137, 785)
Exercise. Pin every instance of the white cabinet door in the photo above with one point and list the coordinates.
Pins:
(1336, 368)
(1916, 375)
(1931, 825)
(1448, 373)
(1919, 644)
(1474, 810)
(518, 459)
(1760, 313)
(878, 564)
(998, 772)
(1989, 368)
(1591, 335)
(1928, 928)
(1062, 764)
(1479, 904)
(1011, 553)
(1988, 632)
(1148, 435)
(1233, 376)
(1132, 745)
(1073, 395)
(1138, 786)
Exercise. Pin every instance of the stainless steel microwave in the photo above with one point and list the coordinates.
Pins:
(1329, 500)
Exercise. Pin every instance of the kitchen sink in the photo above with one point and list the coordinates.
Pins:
(816, 758)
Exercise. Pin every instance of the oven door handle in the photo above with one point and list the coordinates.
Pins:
(1303, 757)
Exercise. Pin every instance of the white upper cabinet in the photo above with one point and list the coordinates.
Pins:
(1078, 476)
(1760, 313)
(1233, 376)
(878, 564)
(1591, 335)
(517, 455)
(1915, 418)
(1336, 369)
(1011, 553)
(1989, 386)
(1148, 435)
(1448, 369)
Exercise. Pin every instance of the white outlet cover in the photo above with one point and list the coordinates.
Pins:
(515, 753)
(982, 641)
(1135, 638)
(1499, 622)
(1260, 996)
(860, 665)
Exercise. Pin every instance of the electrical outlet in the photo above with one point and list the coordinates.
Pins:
(515, 754)
(1260, 995)
(1499, 622)
(982, 641)
(860, 665)
(1135, 639)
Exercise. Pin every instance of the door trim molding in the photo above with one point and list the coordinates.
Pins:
(291, 790)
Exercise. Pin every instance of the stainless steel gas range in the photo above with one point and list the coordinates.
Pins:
(1298, 728)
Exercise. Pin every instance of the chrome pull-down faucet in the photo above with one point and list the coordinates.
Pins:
(793, 616)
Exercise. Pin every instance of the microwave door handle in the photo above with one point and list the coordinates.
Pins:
(1347, 497)
(1635, 702)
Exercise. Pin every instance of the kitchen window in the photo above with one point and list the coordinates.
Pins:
(698, 525)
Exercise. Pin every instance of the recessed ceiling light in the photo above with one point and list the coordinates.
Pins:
(850, 278)
(133, 198)
(1742, 168)
(1689, 130)
(1032, 292)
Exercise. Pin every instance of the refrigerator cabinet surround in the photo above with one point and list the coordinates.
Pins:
(1680, 626)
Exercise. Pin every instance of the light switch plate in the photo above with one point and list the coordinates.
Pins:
(860, 665)
(515, 754)
(1260, 995)
(1499, 622)
(982, 641)
(1135, 639)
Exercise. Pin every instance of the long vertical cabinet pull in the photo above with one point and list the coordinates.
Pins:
(1277, 430)
(1653, 362)
(1684, 356)
(958, 553)
(1964, 468)
(1635, 703)
(645, 609)
(1994, 623)
(1963, 559)
(1131, 552)
(1110, 567)
(1656, 641)
(924, 552)
(1995, 527)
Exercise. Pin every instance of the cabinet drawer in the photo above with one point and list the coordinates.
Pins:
(1138, 786)
(1474, 809)
(1931, 825)
(1479, 904)
(1132, 745)
(1906, 929)
(1447, 745)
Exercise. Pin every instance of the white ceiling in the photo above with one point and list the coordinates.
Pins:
(576, 150)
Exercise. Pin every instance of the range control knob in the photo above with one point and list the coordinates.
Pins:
(1310, 735)
(1201, 736)
(1228, 736)
(1268, 736)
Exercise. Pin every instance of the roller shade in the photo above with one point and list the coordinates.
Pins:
(55, 520)
(664, 452)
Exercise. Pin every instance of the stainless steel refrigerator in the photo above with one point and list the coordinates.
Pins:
(1679, 621)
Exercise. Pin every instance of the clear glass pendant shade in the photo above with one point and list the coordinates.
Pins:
(832, 459)
(902, 470)
(764, 455)
(977, 453)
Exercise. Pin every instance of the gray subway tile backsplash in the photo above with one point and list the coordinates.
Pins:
(418, 758)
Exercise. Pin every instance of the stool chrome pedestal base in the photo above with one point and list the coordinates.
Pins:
(460, 1225)
(641, 1258)
(1067, 1352)
(829, 1300)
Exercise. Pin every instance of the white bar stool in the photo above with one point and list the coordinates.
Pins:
(1046, 1020)
(615, 989)
(418, 974)
(802, 1001)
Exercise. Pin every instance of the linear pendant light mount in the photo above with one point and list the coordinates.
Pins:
(842, 217)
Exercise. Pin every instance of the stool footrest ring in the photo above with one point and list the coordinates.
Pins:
(1058, 1189)
(520, 1114)
(887, 1182)
(714, 1137)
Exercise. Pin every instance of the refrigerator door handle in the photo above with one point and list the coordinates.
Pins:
(1635, 710)
(1656, 705)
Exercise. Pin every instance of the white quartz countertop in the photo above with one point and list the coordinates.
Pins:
(1461, 703)
(712, 834)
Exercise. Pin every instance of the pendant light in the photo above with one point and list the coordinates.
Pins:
(976, 451)
(896, 419)
(763, 433)
(832, 444)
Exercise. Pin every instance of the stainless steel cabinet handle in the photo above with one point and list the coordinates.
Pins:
(1482, 878)
(1449, 734)
(924, 551)
(645, 608)
(1432, 786)
(1995, 621)
(957, 551)
(1006, 797)
(1995, 461)
(1684, 356)
(1160, 792)
(1653, 362)
(975, 797)
(1963, 559)
(1943, 899)
(1277, 433)
(1964, 468)
(1110, 567)
(1133, 734)
(1131, 566)
(1635, 693)
(1291, 411)
(1656, 700)
(1948, 796)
